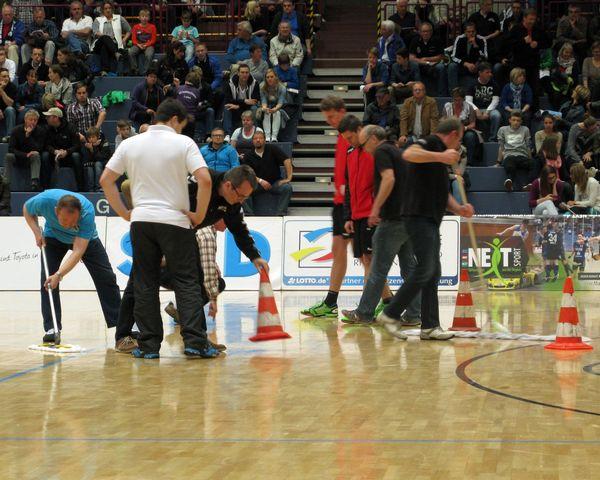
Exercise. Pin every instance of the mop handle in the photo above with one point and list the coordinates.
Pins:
(45, 263)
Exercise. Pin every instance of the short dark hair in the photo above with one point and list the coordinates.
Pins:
(458, 92)
(470, 24)
(283, 58)
(350, 123)
(243, 65)
(589, 122)
(402, 52)
(258, 132)
(483, 66)
(123, 123)
(332, 102)
(186, 15)
(254, 48)
(56, 68)
(92, 132)
(516, 113)
(241, 174)
(69, 202)
(79, 85)
(170, 108)
(449, 125)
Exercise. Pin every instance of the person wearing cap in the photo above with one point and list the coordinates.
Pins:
(62, 144)
(383, 113)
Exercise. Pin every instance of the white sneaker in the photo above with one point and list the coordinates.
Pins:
(393, 327)
(435, 334)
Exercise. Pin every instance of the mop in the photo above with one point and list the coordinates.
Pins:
(55, 347)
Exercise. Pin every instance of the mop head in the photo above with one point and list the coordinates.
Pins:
(57, 349)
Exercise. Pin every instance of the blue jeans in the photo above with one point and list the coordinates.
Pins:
(76, 44)
(97, 264)
(10, 119)
(471, 141)
(389, 240)
(425, 238)
(92, 177)
(282, 191)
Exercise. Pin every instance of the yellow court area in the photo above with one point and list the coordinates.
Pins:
(333, 402)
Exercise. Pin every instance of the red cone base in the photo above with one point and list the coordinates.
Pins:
(269, 333)
(464, 325)
(568, 343)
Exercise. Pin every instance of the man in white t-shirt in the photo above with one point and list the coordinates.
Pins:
(157, 164)
(77, 29)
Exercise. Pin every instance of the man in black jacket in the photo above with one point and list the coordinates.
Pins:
(25, 150)
(469, 49)
(383, 113)
(298, 22)
(36, 62)
(229, 190)
(241, 94)
(63, 144)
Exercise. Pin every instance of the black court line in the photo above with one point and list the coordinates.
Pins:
(461, 373)
(591, 367)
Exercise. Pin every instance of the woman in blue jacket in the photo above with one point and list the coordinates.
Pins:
(516, 95)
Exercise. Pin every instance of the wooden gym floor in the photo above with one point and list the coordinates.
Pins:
(334, 402)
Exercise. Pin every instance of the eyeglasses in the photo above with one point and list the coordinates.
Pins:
(218, 135)
(240, 196)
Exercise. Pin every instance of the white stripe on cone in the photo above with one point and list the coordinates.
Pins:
(267, 319)
(265, 290)
(464, 311)
(568, 300)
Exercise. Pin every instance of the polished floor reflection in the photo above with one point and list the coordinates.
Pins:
(333, 402)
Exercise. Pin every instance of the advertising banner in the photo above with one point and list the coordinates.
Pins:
(307, 256)
(534, 252)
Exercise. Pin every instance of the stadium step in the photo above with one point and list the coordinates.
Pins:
(346, 95)
(319, 139)
(335, 71)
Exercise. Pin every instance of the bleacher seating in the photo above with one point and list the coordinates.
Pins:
(3, 152)
(500, 203)
(487, 179)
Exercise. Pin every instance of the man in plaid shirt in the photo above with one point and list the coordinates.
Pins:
(85, 112)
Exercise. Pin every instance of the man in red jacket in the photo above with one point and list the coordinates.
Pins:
(334, 109)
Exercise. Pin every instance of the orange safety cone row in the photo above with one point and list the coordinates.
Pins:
(464, 312)
(568, 330)
(268, 323)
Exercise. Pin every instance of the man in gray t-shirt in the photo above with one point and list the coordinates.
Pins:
(515, 150)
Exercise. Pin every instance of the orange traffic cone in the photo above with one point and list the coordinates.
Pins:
(268, 323)
(568, 330)
(464, 313)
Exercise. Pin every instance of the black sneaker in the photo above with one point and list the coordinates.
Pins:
(208, 352)
(50, 336)
(35, 185)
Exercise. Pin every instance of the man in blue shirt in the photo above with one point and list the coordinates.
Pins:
(218, 154)
(70, 225)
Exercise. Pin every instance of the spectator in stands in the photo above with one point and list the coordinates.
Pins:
(25, 149)
(241, 139)
(591, 72)
(527, 40)
(35, 62)
(29, 95)
(549, 155)
(469, 49)
(383, 113)
(514, 153)
(298, 23)
(419, 116)
(187, 34)
(487, 24)
(432, 14)
(93, 10)
(8, 64)
(12, 33)
(273, 97)
(286, 42)
(124, 131)
(239, 47)
(287, 74)
(63, 144)
(77, 29)
(259, 22)
(85, 112)
(266, 160)
(23, 9)
(564, 75)
(512, 15)
(465, 112)
(586, 189)
(111, 33)
(143, 38)
(145, 99)
(41, 33)
(196, 97)
(427, 51)
(404, 74)
(405, 21)
(173, 68)
(210, 65)
(241, 94)
(258, 66)
(389, 42)
(574, 111)
(583, 144)
(375, 75)
(8, 95)
(485, 95)
(96, 153)
(218, 154)
(548, 193)
(573, 29)
(516, 96)
(75, 69)
(549, 130)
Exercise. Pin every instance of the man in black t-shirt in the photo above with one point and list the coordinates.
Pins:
(426, 198)
(266, 160)
(406, 22)
(488, 26)
(485, 95)
(427, 51)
